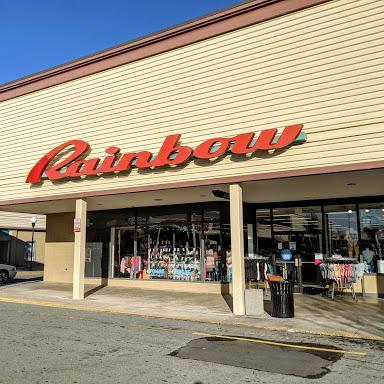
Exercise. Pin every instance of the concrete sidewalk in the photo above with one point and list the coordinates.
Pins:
(313, 314)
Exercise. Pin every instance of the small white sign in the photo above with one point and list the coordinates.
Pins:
(77, 225)
(319, 256)
(292, 245)
(279, 245)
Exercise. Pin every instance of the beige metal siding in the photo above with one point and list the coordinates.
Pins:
(321, 67)
(14, 220)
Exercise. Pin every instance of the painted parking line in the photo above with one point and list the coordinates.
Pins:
(275, 343)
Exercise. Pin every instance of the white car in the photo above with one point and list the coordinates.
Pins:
(6, 272)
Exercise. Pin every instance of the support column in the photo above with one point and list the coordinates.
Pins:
(80, 227)
(237, 248)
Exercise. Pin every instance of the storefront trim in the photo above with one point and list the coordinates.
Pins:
(205, 182)
(231, 19)
(165, 285)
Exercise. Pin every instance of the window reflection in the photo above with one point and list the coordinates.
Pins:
(298, 233)
(372, 234)
(264, 244)
(169, 245)
(342, 231)
(184, 242)
(214, 260)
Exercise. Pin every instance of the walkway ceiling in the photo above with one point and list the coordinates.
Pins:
(338, 185)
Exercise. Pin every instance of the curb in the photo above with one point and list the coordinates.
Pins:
(22, 273)
(309, 331)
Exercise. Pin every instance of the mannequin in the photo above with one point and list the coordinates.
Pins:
(352, 239)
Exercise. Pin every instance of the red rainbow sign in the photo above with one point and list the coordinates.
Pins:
(171, 153)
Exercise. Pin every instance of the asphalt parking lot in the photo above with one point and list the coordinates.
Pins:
(52, 345)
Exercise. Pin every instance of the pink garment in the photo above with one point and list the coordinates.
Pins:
(138, 263)
(124, 264)
(209, 263)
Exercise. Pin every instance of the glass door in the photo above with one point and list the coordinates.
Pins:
(298, 239)
(124, 252)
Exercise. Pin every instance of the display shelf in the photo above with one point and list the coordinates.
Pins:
(174, 263)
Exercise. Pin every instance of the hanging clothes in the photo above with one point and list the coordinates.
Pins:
(342, 273)
(256, 270)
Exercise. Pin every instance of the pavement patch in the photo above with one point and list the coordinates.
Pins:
(306, 346)
(310, 361)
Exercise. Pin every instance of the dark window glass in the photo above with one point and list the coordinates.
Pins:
(372, 234)
(264, 246)
(342, 231)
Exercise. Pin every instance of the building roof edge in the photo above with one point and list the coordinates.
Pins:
(205, 27)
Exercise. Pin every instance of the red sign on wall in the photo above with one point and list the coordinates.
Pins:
(171, 153)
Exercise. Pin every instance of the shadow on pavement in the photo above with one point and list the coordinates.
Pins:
(225, 293)
(22, 280)
(91, 291)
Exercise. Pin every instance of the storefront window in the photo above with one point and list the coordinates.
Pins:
(213, 266)
(226, 252)
(107, 241)
(264, 245)
(297, 232)
(342, 231)
(192, 242)
(300, 219)
(181, 242)
(372, 234)
(169, 244)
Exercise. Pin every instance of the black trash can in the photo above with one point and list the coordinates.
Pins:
(282, 299)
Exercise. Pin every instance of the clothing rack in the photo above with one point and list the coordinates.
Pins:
(257, 269)
(256, 258)
(341, 274)
(341, 260)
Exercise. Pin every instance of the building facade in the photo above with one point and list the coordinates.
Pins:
(16, 239)
(175, 161)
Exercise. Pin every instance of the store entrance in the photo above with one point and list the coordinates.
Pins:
(298, 239)
(296, 257)
(291, 239)
(124, 252)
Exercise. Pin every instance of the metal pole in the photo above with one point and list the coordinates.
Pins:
(33, 233)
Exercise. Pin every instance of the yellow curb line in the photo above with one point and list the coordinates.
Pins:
(282, 344)
(42, 303)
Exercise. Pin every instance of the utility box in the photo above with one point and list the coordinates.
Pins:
(254, 302)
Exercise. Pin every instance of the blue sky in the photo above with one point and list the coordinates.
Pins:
(38, 34)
